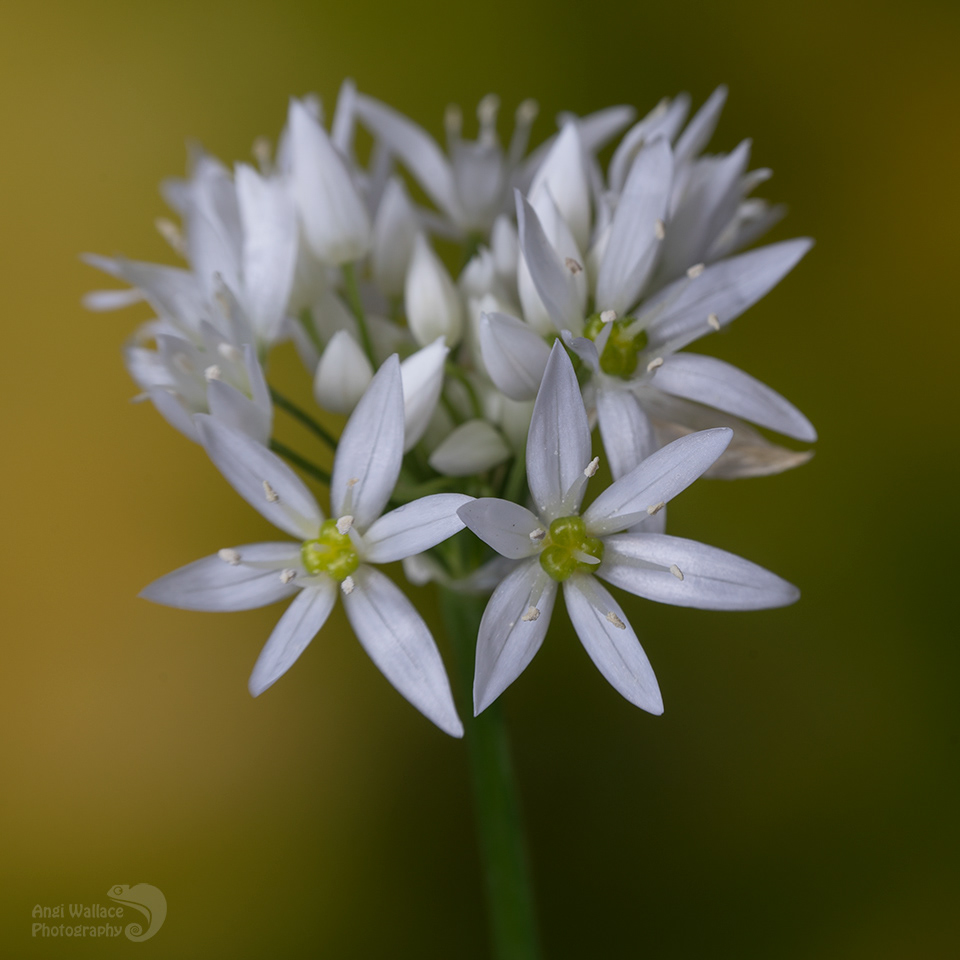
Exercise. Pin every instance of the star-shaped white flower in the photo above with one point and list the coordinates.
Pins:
(331, 556)
(556, 545)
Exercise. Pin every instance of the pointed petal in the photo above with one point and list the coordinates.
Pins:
(398, 642)
(300, 623)
(717, 384)
(701, 126)
(712, 579)
(230, 406)
(626, 430)
(610, 642)
(658, 479)
(247, 466)
(431, 299)
(663, 121)
(507, 642)
(503, 525)
(471, 448)
(558, 445)
(370, 450)
(214, 584)
(343, 374)
(514, 354)
(414, 527)
(564, 175)
(422, 377)
(394, 230)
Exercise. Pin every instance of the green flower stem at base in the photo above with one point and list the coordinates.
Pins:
(356, 307)
(312, 425)
(309, 468)
(509, 891)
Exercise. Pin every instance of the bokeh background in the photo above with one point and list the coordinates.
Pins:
(799, 797)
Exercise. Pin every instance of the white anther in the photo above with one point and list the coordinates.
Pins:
(654, 363)
(655, 508)
(487, 109)
(572, 265)
(347, 586)
(713, 321)
(344, 524)
(453, 119)
(591, 468)
(527, 112)
(271, 494)
(352, 482)
(695, 271)
(676, 571)
(229, 556)
(532, 614)
(212, 372)
(261, 153)
(171, 233)
(608, 316)
(183, 363)
(287, 575)
(616, 621)
(229, 352)
(537, 535)
(659, 229)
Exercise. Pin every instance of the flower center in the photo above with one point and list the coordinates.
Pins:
(331, 553)
(620, 355)
(566, 548)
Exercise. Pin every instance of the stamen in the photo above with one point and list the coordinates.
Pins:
(584, 557)
(608, 316)
(695, 271)
(591, 468)
(616, 621)
(537, 535)
(352, 482)
(229, 352)
(229, 556)
(171, 233)
(527, 112)
(453, 121)
(532, 614)
(271, 494)
(344, 524)
(261, 153)
(287, 575)
(653, 364)
(487, 110)
(676, 571)
(347, 586)
(572, 265)
(655, 508)
(212, 372)
(713, 321)
(659, 229)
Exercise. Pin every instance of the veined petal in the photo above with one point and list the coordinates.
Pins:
(564, 175)
(422, 377)
(610, 642)
(513, 626)
(514, 354)
(300, 623)
(558, 445)
(261, 478)
(701, 126)
(230, 406)
(343, 374)
(370, 450)
(724, 290)
(503, 525)
(399, 643)
(626, 430)
(657, 480)
(712, 579)
(717, 384)
(217, 585)
(663, 121)
(414, 527)
(471, 448)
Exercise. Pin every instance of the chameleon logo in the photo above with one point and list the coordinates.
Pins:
(148, 900)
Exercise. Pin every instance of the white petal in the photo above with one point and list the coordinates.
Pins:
(247, 466)
(170, 407)
(432, 301)
(230, 406)
(399, 643)
(471, 448)
(558, 445)
(514, 354)
(370, 450)
(503, 525)
(422, 377)
(215, 585)
(111, 299)
(724, 290)
(717, 384)
(564, 175)
(660, 122)
(343, 374)
(414, 527)
(394, 230)
(610, 642)
(300, 623)
(629, 254)
(700, 128)
(712, 579)
(658, 479)
(626, 430)
(335, 220)
(509, 635)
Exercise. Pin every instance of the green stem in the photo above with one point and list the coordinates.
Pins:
(311, 469)
(452, 370)
(356, 306)
(516, 478)
(290, 407)
(513, 928)
(306, 321)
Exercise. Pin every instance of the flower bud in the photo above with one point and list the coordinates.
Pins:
(394, 231)
(473, 447)
(432, 301)
(343, 374)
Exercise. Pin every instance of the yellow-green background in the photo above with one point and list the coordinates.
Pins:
(799, 797)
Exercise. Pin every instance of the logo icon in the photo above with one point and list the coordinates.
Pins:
(148, 900)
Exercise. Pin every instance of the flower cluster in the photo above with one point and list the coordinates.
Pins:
(470, 395)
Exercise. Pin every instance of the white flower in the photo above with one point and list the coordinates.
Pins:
(432, 300)
(557, 545)
(331, 556)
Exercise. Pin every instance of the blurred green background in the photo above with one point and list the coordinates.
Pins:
(799, 797)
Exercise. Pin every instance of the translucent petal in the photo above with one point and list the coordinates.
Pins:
(626, 430)
(514, 354)
(414, 527)
(503, 525)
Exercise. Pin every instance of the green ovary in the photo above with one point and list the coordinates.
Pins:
(566, 539)
(331, 553)
(621, 353)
